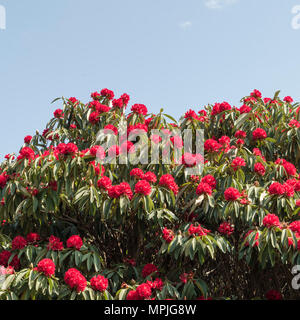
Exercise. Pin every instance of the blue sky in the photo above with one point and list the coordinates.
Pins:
(175, 54)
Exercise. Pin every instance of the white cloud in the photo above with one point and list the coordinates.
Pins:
(218, 4)
(185, 24)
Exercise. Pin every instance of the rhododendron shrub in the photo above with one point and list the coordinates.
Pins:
(75, 226)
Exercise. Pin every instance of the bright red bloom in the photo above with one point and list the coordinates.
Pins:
(168, 182)
(132, 295)
(259, 168)
(99, 283)
(290, 168)
(139, 109)
(110, 129)
(295, 226)
(204, 188)
(97, 151)
(95, 95)
(198, 231)
(4, 257)
(73, 100)
(27, 153)
(67, 149)
(144, 291)
(288, 99)
(209, 179)
(3, 180)
(191, 114)
(137, 173)
(259, 134)
(143, 187)
(273, 295)
(271, 220)
(238, 163)
(47, 267)
(276, 188)
(107, 94)
(33, 237)
(157, 284)
(240, 134)
(168, 235)
(123, 189)
(75, 280)
(55, 244)
(231, 194)
(150, 177)
(125, 97)
(104, 183)
(74, 242)
(58, 113)
(256, 94)
(94, 117)
(211, 145)
(294, 124)
(27, 139)
(18, 243)
(245, 109)
(149, 269)
(226, 228)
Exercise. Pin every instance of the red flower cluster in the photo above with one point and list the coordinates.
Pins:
(168, 235)
(67, 149)
(4, 257)
(27, 139)
(104, 183)
(75, 242)
(99, 283)
(259, 134)
(204, 188)
(143, 187)
(259, 168)
(279, 189)
(231, 194)
(26, 153)
(271, 220)
(209, 179)
(107, 94)
(237, 163)
(137, 173)
(18, 243)
(139, 109)
(3, 180)
(226, 228)
(75, 280)
(198, 231)
(212, 145)
(47, 267)
(55, 244)
(168, 182)
(123, 189)
(33, 237)
(149, 269)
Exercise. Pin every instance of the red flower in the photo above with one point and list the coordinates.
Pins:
(256, 94)
(74, 242)
(150, 177)
(33, 237)
(238, 163)
(168, 182)
(168, 235)
(4, 257)
(139, 109)
(290, 168)
(211, 145)
(294, 124)
(47, 267)
(67, 149)
(209, 179)
(199, 231)
(127, 147)
(295, 226)
(122, 189)
(288, 99)
(259, 169)
(137, 173)
(18, 243)
(104, 183)
(95, 95)
(125, 97)
(144, 291)
(58, 113)
(99, 283)
(273, 295)
(97, 151)
(113, 151)
(298, 203)
(132, 295)
(149, 269)
(226, 228)
(3, 180)
(271, 220)
(245, 109)
(27, 153)
(27, 139)
(157, 284)
(75, 280)
(108, 129)
(204, 188)
(240, 134)
(231, 194)
(143, 187)
(259, 134)
(73, 100)
(94, 117)
(107, 94)
(276, 188)
(191, 114)
(55, 244)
